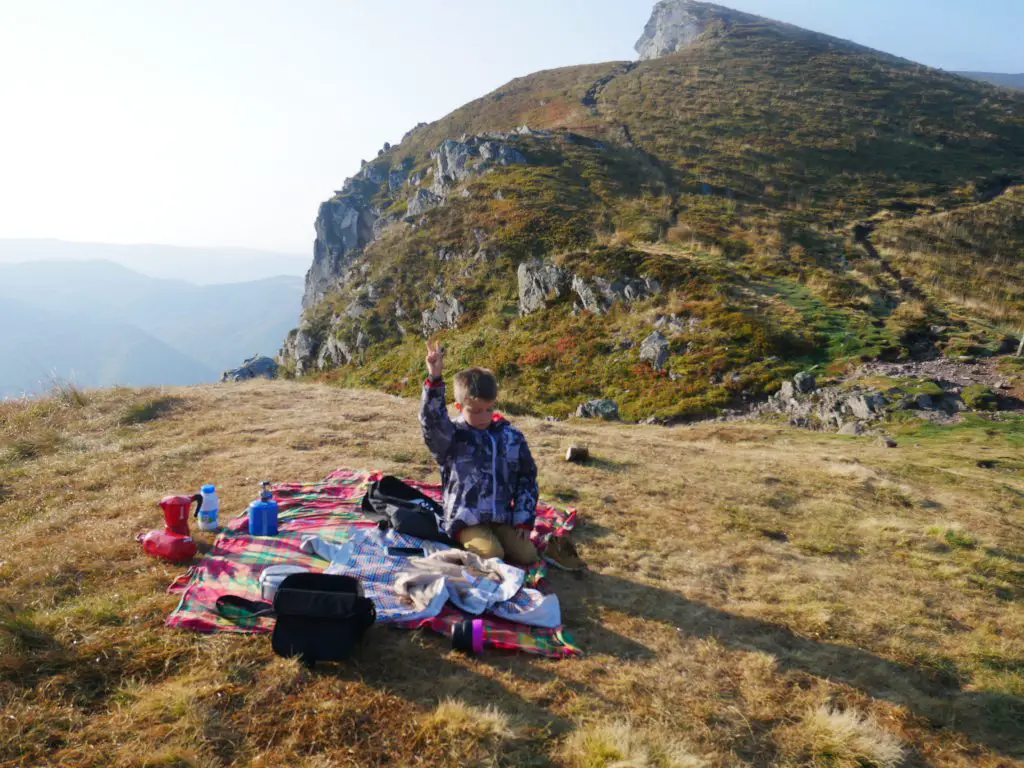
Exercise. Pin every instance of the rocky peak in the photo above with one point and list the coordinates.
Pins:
(676, 24)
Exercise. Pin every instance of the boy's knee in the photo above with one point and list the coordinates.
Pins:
(479, 540)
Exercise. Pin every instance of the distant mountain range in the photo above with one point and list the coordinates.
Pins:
(98, 323)
(202, 266)
(1010, 81)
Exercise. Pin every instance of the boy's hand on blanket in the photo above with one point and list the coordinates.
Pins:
(435, 359)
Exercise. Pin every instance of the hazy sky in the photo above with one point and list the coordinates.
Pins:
(226, 122)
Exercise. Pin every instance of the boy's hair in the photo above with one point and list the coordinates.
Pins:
(476, 384)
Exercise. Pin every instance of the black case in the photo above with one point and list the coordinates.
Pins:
(395, 505)
(320, 617)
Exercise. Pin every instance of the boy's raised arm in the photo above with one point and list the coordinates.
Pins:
(438, 429)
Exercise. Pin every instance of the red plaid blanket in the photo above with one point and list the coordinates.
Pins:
(332, 509)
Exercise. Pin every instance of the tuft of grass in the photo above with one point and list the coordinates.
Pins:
(29, 446)
(621, 745)
(954, 538)
(831, 739)
(469, 735)
(980, 398)
(148, 410)
(68, 393)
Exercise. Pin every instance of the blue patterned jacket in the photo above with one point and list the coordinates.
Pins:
(488, 475)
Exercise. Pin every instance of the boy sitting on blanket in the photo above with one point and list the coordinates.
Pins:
(488, 474)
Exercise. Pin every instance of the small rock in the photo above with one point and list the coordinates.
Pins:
(852, 428)
(577, 453)
(887, 442)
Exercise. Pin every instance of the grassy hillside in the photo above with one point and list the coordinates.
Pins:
(757, 596)
(972, 257)
(739, 171)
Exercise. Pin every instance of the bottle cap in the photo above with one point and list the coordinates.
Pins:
(209, 489)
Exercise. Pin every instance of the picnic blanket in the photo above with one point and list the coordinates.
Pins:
(331, 509)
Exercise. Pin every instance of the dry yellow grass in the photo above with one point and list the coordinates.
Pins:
(748, 583)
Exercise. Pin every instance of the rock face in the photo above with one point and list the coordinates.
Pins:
(676, 24)
(344, 226)
(258, 366)
(350, 221)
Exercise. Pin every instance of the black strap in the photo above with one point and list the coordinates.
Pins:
(230, 606)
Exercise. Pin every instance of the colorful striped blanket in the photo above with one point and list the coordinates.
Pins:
(331, 509)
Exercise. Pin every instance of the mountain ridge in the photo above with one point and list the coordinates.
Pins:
(737, 175)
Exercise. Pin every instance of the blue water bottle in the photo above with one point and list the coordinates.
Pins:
(263, 513)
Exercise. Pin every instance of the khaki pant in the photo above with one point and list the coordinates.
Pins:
(500, 541)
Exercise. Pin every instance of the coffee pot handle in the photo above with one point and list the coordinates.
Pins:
(198, 499)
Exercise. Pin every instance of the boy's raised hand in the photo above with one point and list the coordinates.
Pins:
(435, 359)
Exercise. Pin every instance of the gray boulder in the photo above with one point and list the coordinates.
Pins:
(865, 406)
(599, 409)
(655, 350)
(539, 282)
(258, 366)
(445, 314)
(853, 428)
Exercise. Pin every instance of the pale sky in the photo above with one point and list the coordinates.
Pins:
(226, 122)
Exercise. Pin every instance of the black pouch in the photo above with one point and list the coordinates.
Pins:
(395, 505)
(320, 616)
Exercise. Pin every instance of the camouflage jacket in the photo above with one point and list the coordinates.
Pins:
(488, 475)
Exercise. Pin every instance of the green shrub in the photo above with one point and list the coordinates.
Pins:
(978, 397)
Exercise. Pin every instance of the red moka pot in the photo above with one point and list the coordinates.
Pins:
(176, 509)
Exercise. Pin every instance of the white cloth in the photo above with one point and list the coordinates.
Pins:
(412, 588)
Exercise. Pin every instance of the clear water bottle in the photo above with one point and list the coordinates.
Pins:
(209, 510)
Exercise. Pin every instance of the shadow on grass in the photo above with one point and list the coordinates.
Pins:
(995, 720)
(608, 465)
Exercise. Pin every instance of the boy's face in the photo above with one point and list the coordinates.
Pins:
(477, 413)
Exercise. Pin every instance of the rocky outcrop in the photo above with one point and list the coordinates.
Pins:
(421, 201)
(444, 314)
(676, 24)
(344, 226)
(598, 294)
(299, 349)
(458, 160)
(655, 350)
(258, 366)
(333, 353)
(539, 283)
